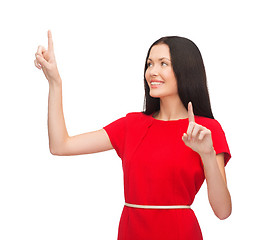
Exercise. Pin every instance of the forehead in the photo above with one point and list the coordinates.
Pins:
(159, 51)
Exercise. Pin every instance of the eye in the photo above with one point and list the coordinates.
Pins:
(164, 64)
(149, 64)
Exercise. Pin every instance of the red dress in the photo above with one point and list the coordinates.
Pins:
(159, 169)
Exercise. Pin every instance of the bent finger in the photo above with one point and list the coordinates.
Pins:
(37, 64)
(40, 50)
(42, 61)
(184, 137)
(203, 134)
(196, 130)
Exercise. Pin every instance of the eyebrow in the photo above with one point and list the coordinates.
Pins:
(160, 59)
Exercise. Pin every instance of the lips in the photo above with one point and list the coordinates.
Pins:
(156, 84)
(156, 81)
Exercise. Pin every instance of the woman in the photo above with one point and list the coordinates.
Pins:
(167, 150)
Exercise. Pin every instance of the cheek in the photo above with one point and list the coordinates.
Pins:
(147, 75)
(169, 76)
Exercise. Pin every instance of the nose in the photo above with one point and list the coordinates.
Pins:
(153, 71)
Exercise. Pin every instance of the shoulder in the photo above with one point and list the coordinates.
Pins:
(211, 124)
(138, 119)
(136, 116)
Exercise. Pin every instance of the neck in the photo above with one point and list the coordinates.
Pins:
(171, 108)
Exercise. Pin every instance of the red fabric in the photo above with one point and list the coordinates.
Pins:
(159, 169)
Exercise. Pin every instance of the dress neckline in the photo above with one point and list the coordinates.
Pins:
(168, 121)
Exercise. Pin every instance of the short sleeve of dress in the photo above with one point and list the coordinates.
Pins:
(219, 141)
(117, 132)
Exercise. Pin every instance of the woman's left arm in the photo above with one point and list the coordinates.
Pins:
(218, 194)
(199, 139)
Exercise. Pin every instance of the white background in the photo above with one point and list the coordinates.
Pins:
(100, 48)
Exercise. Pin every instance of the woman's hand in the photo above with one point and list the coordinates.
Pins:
(198, 137)
(45, 60)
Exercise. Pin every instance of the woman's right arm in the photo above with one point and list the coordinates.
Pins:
(60, 143)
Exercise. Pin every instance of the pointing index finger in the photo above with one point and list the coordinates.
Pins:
(191, 116)
(50, 41)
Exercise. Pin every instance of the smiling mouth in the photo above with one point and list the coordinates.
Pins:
(156, 84)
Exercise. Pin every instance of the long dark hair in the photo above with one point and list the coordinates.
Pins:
(189, 70)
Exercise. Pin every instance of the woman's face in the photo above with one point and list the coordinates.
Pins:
(160, 70)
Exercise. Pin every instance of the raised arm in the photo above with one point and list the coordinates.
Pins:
(60, 143)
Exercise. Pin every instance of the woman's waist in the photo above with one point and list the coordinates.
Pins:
(158, 206)
(159, 200)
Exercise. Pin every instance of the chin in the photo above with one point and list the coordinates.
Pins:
(162, 94)
(156, 95)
